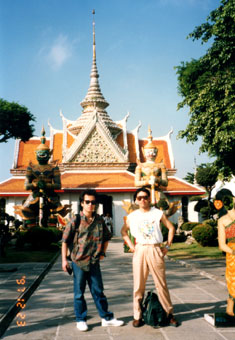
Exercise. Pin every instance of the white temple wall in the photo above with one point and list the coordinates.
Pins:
(10, 203)
(175, 216)
(118, 211)
(73, 199)
(193, 216)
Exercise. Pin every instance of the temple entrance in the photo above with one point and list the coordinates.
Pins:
(2, 210)
(105, 209)
(106, 202)
(184, 201)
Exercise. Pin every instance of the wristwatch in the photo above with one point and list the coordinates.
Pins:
(102, 254)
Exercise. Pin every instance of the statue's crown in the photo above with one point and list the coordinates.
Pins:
(43, 145)
(150, 144)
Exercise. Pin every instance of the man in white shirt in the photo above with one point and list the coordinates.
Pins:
(144, 225)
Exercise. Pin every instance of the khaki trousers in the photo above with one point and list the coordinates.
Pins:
(148, 258)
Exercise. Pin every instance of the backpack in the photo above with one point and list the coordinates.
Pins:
(153, 313)
(73, 235)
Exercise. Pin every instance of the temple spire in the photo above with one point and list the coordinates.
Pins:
(94, 47)
(94, 95)
(94, 103)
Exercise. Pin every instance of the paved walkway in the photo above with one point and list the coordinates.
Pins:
(48, 313)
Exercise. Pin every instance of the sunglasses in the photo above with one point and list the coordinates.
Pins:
(90, 202)
(139, 198)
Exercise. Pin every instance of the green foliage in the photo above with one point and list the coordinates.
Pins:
(15, 121)
(187, 226)
(189, 177)
(206, 176)
(206, 212)
(212, 223)
(200, 204)
(57, 234)
(20, 238)
(179, 238)
(205, 235)
(39, 238)
(195, 198)
(228, 202)
(162, 204)
(25, 255)
(207, 87)
(206, 209)
(193, 251)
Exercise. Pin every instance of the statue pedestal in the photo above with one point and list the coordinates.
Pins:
(220, 320)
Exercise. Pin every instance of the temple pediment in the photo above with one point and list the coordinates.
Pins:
(95, 144)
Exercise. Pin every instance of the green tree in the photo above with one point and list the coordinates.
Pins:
(189, 177)
(15, 121)
(207, 86)
(206, 176)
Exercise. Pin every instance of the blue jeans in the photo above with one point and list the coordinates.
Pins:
(94, 279)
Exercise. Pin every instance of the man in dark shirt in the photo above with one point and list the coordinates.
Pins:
(89, 246)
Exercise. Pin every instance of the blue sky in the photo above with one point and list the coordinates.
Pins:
(46, 56)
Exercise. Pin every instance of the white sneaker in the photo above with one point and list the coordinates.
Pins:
(82, 326)
(112, 322)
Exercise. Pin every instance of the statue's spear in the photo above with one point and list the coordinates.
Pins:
(40, 207)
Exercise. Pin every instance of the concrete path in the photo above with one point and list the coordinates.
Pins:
(49, 315)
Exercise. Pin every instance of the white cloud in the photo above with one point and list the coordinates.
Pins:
(59, 52)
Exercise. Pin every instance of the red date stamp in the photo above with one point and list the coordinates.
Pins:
(21, 322)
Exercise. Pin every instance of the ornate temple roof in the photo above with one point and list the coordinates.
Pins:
(25, 152)
(94, 100)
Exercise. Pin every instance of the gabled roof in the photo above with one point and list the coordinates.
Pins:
(13, 187)
(177, 185)
(107, 143)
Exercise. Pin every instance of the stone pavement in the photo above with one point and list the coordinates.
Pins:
(48, 314)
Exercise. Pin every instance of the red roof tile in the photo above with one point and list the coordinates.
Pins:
(115, 181)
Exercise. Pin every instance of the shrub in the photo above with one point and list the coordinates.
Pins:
(39, 238)
(212, 223)
(180, 238)
(177, 238)
(57, 234)
(205, 212)
(195, 198)
(205, 235)
(188, 226)
(20, 238)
